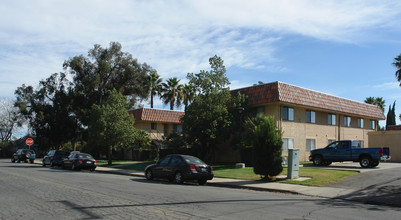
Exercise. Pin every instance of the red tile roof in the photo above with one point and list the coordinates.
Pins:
(285, 93)
(157, 115)
(393, 127)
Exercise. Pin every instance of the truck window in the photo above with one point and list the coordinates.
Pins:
(356, 144)
(345, 145)
(333, 145)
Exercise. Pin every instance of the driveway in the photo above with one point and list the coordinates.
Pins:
(381, 185)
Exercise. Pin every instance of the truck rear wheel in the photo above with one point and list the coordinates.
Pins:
(317, 160)
(365, 162)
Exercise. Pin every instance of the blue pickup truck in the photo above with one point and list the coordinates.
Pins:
(346, 150)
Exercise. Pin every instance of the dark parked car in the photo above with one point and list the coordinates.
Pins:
(23, 155)
(179, 168)
(77, 161)
(55, 157)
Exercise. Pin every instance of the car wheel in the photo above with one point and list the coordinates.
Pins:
(18, 161)
(92, 169)
(178, 178)
(31, 161)
(317, 160)
(365, 162)
(149, 175)
(202, 182)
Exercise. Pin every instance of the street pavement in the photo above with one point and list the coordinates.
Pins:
(389, 195)
(31, 191)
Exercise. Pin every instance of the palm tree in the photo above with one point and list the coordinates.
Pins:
(376, 101)
(172, 92)
(188, 93)
(153, 85)
(397, 64)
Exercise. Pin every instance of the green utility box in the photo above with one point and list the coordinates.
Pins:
(293, 164)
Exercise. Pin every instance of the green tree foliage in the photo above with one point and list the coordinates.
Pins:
(266, 140)
(210, 82)
(113, 127)
(379, 101)
(172, 92)
(391, 115)
(101, 71)
(48, 110)
(205, 121)
(397, 64)
(153, 85)
(188, 94)
(207, 118)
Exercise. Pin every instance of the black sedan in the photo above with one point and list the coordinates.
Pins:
(179, 168)
(77, 161)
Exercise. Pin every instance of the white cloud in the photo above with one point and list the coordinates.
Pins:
(388, 86)
(174, 37)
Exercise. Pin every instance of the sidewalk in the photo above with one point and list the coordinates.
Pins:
(324, 192)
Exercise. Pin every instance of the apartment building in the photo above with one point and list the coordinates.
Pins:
(311, 119)
(158, 123)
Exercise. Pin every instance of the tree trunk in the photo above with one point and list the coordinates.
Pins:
(151, 99)
(109, 155)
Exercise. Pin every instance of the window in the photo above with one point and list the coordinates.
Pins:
(347, 121)
(310, 144)
(331, 141)
(372, 124)
(260, 110)
(288, 114)
(332, 119)
(360, 122)
(333, 145)
(164, 161)
(288, 143)
(153, 126)
(357, 144)
(310, 117)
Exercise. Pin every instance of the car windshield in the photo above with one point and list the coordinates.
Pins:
(193, 160)
(85, 156)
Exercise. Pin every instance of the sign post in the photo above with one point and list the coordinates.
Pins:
(29, 142)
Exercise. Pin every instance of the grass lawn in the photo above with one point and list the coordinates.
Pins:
(319, 177)
(103, 163)
(138, 166)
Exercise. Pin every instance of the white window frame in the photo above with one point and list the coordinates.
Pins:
(347, 121)
(310, 144)
(310, 116)
(288, 113)
(332, 118)
(360, 123)
(372, 124)
(288, 143)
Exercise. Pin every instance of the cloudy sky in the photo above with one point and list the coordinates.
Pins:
(343, 47)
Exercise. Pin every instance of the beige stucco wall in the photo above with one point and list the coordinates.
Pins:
(391, 139)
(320, 131)
(156, 134)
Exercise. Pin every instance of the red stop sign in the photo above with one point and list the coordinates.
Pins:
(29, 141)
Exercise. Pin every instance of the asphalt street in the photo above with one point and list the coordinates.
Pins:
(29, 191)
(375, 187)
